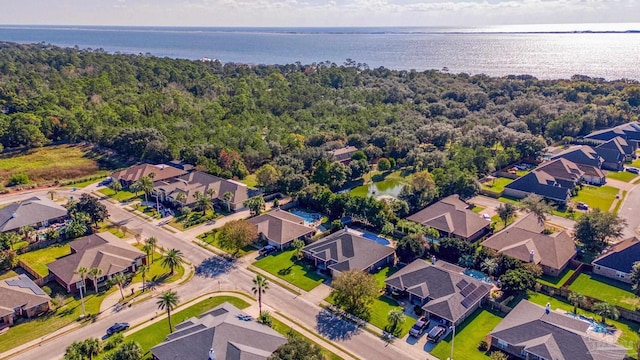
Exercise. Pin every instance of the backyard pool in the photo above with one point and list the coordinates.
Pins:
(478, 275)
(595, 326)
(378, 239)
(309, 217)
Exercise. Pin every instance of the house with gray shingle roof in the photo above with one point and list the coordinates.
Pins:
(616, 151)
(452, 218)
(219, 334)
(443, 293)
(629, 131)
(530, 331)
(587, 160)
(344, 154)
(134, 173)
(36, 211)
(101, 250)
(348, 250)
(525, 241)
(553, 180)
(21, 297)
(617, 260)
(279, 228)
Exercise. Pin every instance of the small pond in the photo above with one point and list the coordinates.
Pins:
(382, 188)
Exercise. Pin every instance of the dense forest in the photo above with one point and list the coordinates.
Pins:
(232, 119)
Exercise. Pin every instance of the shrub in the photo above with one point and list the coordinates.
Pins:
(18, 179)
(483, 346)
(418, 310)
(384, 164)
(113, 342)
(265, 318)
(47, 290)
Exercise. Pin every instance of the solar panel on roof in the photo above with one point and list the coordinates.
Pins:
(468, 289)
(462, 283)
(473, 297)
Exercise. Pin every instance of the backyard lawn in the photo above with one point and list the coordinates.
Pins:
(122, 195)
(599, 287)
(211, 238)
(38, 259)
(597, 197)
(251, 181)
(496, 185)
(384, 273)
(468, 336)
(556, 281)
(621, 175)
(8, 274)
(286, 267)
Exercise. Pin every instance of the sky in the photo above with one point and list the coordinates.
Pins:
(297, 13)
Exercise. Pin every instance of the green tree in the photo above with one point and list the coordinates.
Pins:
(172, 259)
(354, 291)
(489, 266)
(203, 204)
(91, 347)
(148, 249)
(297, 348)
(321, 172)
(27, 232)
(52, 193)
(94, 274)
(535, 204)
(594, 229)
(256, 204)
(297, 245)
(606, 311)
(89, 205)
(498, 355)
(395, 317)
(130, 350)
(577, 300)
(227, 196)
(236, 234)
(168, 301)
(260, 286)
(181, 197)
(115, 185)
(153, 242)
(411, 247)
(517, 280)
(635, 277)
(144, 270)
(267, 176)
(119, 279)
(74, 351)
(384, 164)
(82, 272)
(506, 212)
(145, 184)
(11, 238)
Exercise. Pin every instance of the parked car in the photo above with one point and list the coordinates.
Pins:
(436, 333)
(106, 181)
(582, 206)
(633, 170)
(419, 327)
(117, 327)
(267, 250)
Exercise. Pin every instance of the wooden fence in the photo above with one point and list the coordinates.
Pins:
(37, 278)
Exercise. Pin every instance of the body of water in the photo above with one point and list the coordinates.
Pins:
(389, 188)
(496, 51)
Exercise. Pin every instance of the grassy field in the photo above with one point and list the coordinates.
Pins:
(251, 181)
(496, 185)
(621, 175)
(284, 266)
(61, 162)
(211, 238)
(194, 218)
(284, 329)
(556, 281)
(122, 195)
(597, 197)
(38, 259)
(599, 287)
(468, 335)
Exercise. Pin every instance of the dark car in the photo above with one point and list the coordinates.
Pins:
(117, 327)
(419, 327)
(633, 170)
(436, 333)
(582, 206)
(268, 250)
(106, 181)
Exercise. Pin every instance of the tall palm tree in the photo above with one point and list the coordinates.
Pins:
(91, 347)
(119, 279)
(51, 193)
(146, 185)
(144, 270)
(152, 241)
(172, 259)
(227, 196)
(490, 266)
(395, 317)
(116, 186)
(203, 204)
(26, 231)
(606, 310)
(577, 300)
(181, 197)
(94, 274)
(168, 300)
(210, 193)
(12, 238)
(260, 286)
(82, 271)
(148, 249)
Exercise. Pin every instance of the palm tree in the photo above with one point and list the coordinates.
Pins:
(606, 310)
(395, 318)
(94, 274)
(203, 204)
(119, 279)
(12, 238)
(490, 266)
(136, 187)
(506, 212)
(51, 193)
(260, 286)
(172, 259)
(146, 185)
(152, 241)
(227, 196)
(144, 270)
(210, 193)
(82, 271)
(148, 249)
(115, 185)
(91, 347)
(577, 300)
(466, 260)
(26, 232)
(168, 300)
(181, 197)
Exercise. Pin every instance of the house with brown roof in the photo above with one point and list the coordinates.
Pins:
(134, 173)
(587, 160)
(198, 181)
(21, 298)
(616, 151)
(279, 228)
(36, 212)
(553, 180)
(617, 260)
(347, 250)
(525, 240)
(531, 331)
(344, 154)
(442, 290)
(452, 218)
(101, 250)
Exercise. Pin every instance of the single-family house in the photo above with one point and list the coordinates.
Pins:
(452, 218)
(531, 331)
(279, 228)
(197, 181)
(134, 173)
(444, 293)
(616, 151)
(348, 250)
(587, 160)
(617, 260)
(179, 164)
(21, 297)
(344, 154)
(629, 131)
(525, 240)
(101, 250)
(224, 333)
(553, 180)
(36, 212)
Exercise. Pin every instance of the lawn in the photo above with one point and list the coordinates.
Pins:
(602, 288)
(251, 181)
(147, 210)
(122, 195)
(477, 209)
(84, 183)
(619, 203)
(621, 175)
(384, 273)
(468, 335)
(377, 176)
(284, 329)
(211, 238)
(629, 329)
(62, 162)
(286, 267)
(508, 199)
(114, 229)
(8, 274)
(497, 185)
(157, 273)
(556, 281)
(38, 259)
(194, 218)
(597, 197)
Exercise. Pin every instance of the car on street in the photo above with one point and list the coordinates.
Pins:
(117, 327)
(436, 333)
(419, 327)
(582, 206)
(267, 250)
(633, 170)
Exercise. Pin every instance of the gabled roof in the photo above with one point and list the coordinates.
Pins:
(200, 181)
(281, 226)
(101, 250)
(348, 251)
(29, 212)
(222, 331)
(630, 130)
(620, 256)
(561, 169)
(617, 145)
(592, 171)
(523, 239)
(542, 183)
(452, 216)
(450, 293)
(344, 153)
(552, 335)
(20, 291)
(581, 154)
(135, 173)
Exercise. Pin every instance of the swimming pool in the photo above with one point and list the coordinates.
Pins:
(378, 239)
(309, 217)
(595, 326)
(478, 275)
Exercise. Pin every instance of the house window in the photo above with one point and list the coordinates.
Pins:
(502, 344)
(597, 267)
(620, 274)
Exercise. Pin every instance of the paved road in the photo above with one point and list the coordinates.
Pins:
(630, 210)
